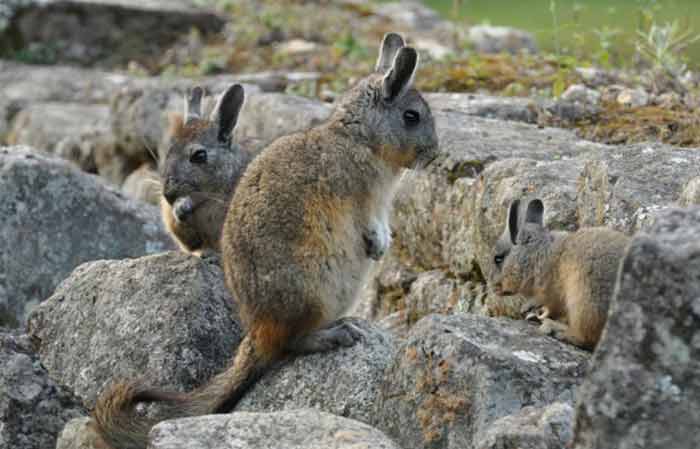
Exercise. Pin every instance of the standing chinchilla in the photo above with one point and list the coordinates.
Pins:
(307, 217)
(201, 169)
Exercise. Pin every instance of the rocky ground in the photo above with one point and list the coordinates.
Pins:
(91, 291)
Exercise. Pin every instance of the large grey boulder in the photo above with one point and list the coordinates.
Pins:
(271, 115)
(456, 376)
(25, 85)
(643, 389)
(72, 131)
(345, 382)
(33, 408)
(293, 429)
(55, 218)
(57, 30)
(167, 319)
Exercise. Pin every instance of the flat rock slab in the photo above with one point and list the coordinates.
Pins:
(643, 388)
(33, 408)
(455, 376)
(79, 133)
(345, 382)
(24, 85)
(167, 319)
(549, 427)
(55, 218)
(294, 429)
(515, 109)
(103, 32)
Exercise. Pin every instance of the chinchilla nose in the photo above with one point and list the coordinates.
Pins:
(169, 190)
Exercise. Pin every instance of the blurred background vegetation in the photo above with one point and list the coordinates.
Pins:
(606, 31)
(637, 62)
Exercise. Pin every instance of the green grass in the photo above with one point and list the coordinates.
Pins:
(594, 29)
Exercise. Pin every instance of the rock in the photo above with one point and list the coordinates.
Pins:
(403, 300)
(143, 184)
(582, 94)
(54, 219)
(515, 109)
(271, 115)
(691, 193)
(595, 77)
(295, 429)
(633, 98)
(609, 93)
(166, 318)
(344, 382)
(24, 85)
(549, 427)
(468, 143)
(410, 14)
(499, 39)
(668, 100)
(642, 180)
(297, 47)
(140, 119)
(643, 388)
(456, 376)
(79, 434)
(33, 408)
(433, 47)
(71, 131)
(53, 31)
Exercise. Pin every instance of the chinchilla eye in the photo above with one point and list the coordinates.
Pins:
(498, 259)
(411, 117)
(198, 157)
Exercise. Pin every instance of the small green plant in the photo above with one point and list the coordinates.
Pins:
(36, 54)
(605, 37)
(555, 25)
(349, 46)
(663, 47)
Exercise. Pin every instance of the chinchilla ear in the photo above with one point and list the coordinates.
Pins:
(535, 212)
(391, 44)
(512, 223)
(227, 111)
(193, 104)
(400, 76)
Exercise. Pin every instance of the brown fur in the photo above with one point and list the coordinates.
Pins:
(397, 159)
(571, 276)
(190, 131)
(295, 240)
